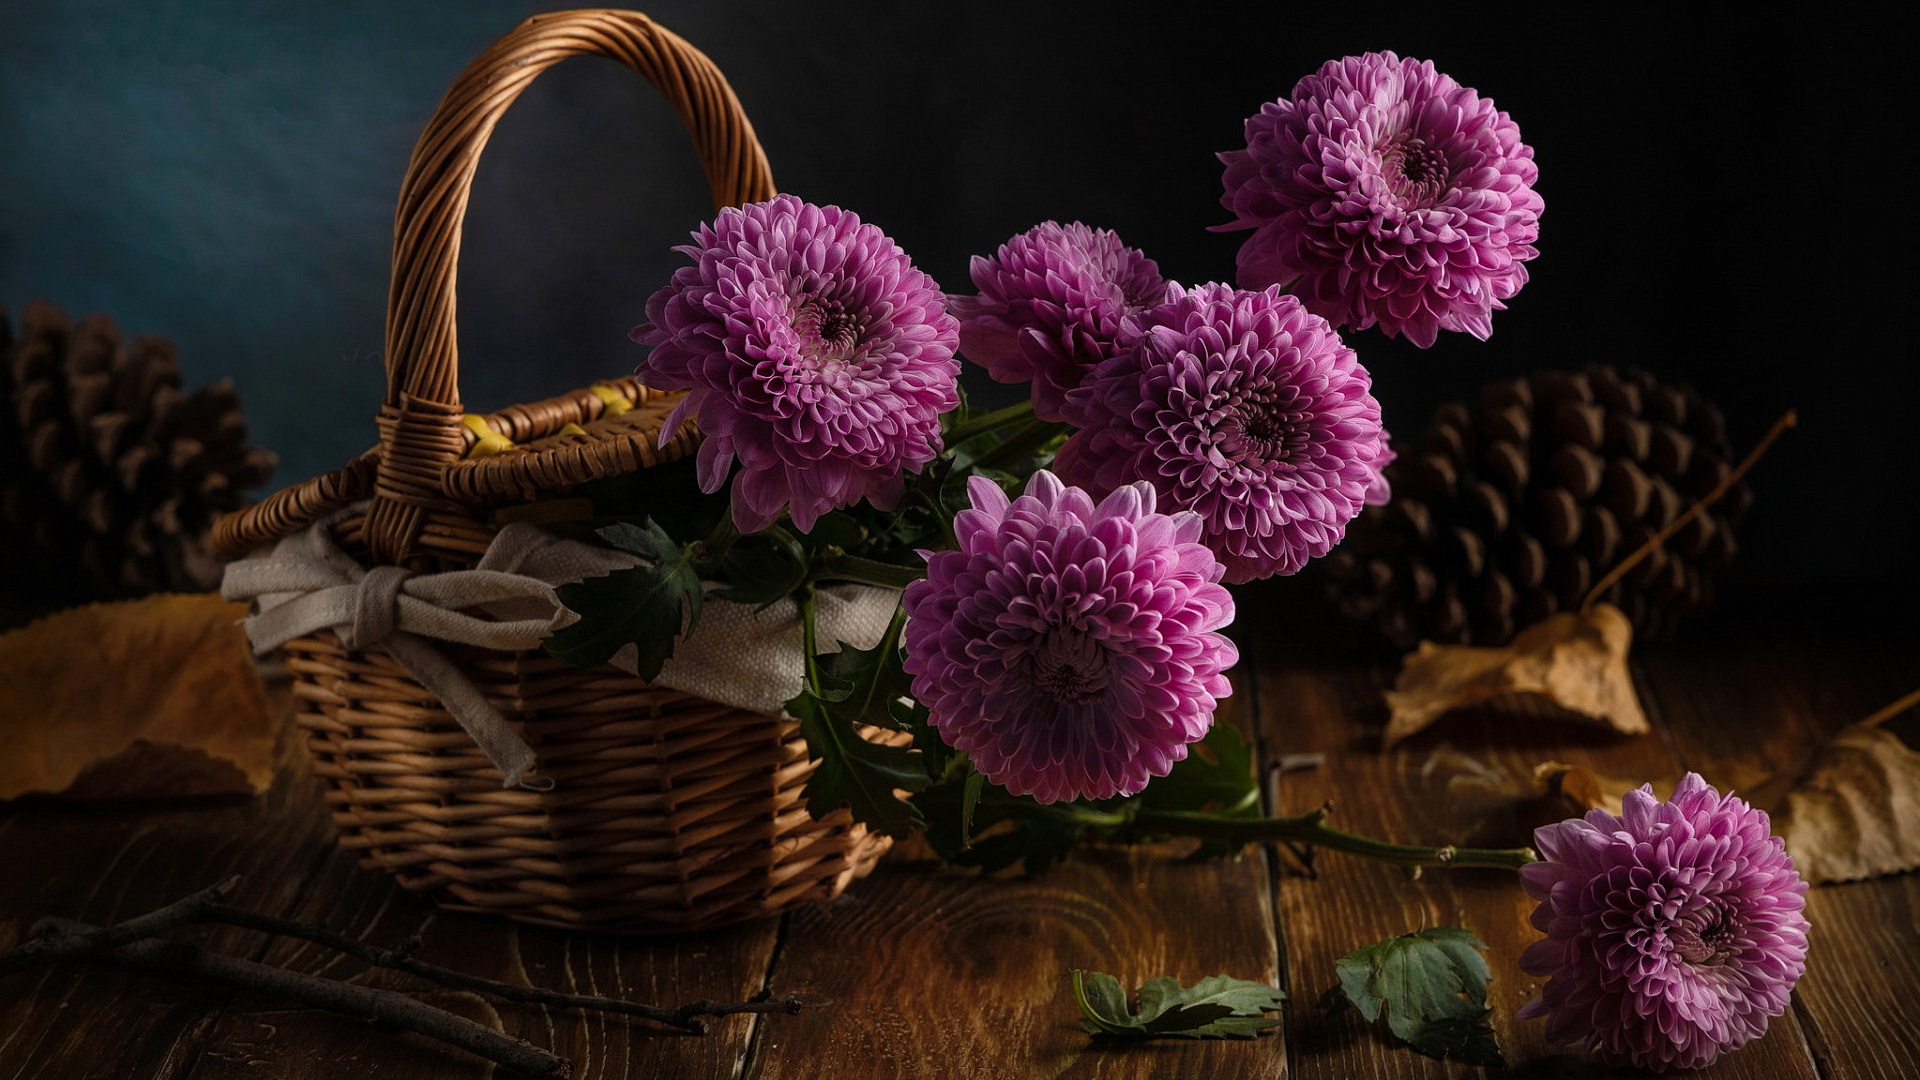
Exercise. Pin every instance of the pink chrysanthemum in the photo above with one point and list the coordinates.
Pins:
(1673, 931)
(816, 355)
(1243, 407)
(1393, 194)
(1050, 305)
(1070, 649)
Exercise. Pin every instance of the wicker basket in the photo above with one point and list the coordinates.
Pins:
(667, 812)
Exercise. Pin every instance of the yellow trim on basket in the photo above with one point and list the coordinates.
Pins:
(486, 441)
(616, 402)
(571, 428)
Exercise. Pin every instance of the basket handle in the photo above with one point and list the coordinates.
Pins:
(420, 429)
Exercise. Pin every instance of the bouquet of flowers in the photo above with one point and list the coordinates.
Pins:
(1057, 650)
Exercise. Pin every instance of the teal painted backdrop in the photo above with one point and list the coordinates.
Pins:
(1725, 196)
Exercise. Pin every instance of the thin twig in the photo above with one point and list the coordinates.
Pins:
(1892, 710)
(686, 1017)
(133, 944)
(173, 957)
(1787, 420)
(45, 946)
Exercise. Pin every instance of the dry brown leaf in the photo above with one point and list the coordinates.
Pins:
(1576, 662)
(1492, 804)
(1577, 789)
(1572, 790)
(150, 698)
(1856, 814)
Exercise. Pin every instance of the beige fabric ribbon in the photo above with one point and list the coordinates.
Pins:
(741, 655)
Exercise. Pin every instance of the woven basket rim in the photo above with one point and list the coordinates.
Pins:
(420, 471)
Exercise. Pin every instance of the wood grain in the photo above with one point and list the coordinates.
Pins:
(922, 971)
(101, 864)
(934, 973)
(722, 965)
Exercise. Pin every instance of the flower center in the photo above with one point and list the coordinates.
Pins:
(1071, 667)
(1707, 940)
(1415, 171)
(827, 331)
(1265, 434)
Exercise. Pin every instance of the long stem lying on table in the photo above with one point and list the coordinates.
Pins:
(1307, 828)
(1311, 828)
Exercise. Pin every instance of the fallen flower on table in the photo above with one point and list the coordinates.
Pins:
(1856, 813)
(149, 698)
(1675, 930)
(1216, 1007)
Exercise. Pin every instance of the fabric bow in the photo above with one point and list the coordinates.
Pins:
(744, 655)
(306, 583)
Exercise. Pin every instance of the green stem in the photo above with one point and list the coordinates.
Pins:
(710, 550)
(974, 427)
(807, 635)
(844, 567)
(1311, 828)
(1020, 444)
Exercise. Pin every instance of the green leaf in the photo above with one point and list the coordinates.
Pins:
(1432, 986)
(647, 540)
(641, 605)
(1216, 1007)
(969, 802)
(1216, 777)
(942, 760)
(859, 774)
(763, 568)
(962, 808)
(861, 686)
(836, 528)
(1466, 1039)
(1036, 843)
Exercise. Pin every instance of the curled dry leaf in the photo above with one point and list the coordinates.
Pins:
(1856, 814)
(1572, 790)
(1493, 804)
(1575, 661)
(149, 698)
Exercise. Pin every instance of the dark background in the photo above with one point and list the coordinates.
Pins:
(1727, 196)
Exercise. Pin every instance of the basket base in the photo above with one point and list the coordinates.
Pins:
(668, 812)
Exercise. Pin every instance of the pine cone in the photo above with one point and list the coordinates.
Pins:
(110, 474)
(1504, 519)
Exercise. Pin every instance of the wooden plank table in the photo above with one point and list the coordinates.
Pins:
(922, 971)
